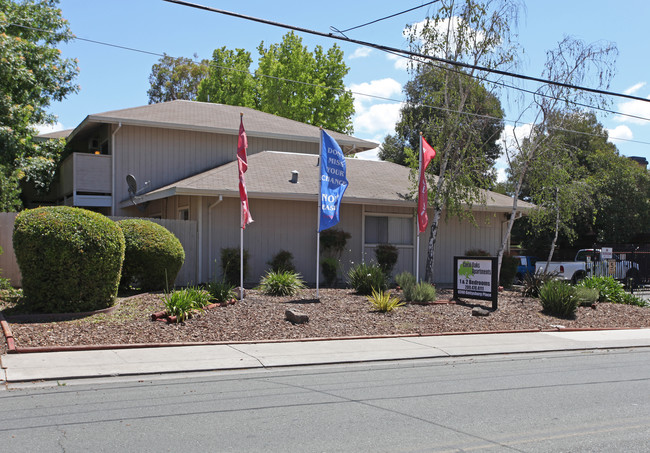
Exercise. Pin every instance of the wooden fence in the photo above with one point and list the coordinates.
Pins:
(184, 230)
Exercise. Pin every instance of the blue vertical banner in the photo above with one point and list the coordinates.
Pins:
(333, 181)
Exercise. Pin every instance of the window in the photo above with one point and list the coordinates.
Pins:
(389, 230)
(184, 214)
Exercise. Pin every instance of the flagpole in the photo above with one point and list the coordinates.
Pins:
(417, 240)
(320, 148)
(241, 239)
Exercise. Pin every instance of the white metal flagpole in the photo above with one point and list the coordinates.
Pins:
(320, 156)
(417, 240)
(241, 263)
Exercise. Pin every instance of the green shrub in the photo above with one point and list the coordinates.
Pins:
(586, 296)
(70, 259)
(153, 255)
(230, 265)
(365, 278)
(404, 279)
(476, 252)
(333, 241)
(558, 299)
(386, 255)
(421, 292)
(221, 291)
(383, 302)
(533, 282)
(281, 283)
(282, 261)
(330, 268)
(509, 265)
(182, 303)
(611, 290)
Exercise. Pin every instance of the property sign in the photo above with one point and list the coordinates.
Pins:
(611, 267)
(606, 253)
(476, 278)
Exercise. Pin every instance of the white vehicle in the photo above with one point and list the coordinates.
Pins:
(589, 262)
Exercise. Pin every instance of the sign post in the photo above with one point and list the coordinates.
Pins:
(476, 278)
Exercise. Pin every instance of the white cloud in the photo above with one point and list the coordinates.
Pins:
(400, 62)
(449, 25)
(47, 128)
(636, 108)
(620, 132)
(634, 88)
(378, 119)
(508, 139)
(383, 87)
(360, 52)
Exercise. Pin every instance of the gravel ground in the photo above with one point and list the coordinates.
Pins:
(338, 313)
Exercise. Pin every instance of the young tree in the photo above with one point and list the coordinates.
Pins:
(476, 33)
(176, 78)
(32, 74)
(571, 63)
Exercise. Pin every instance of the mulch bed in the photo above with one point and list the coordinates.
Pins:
(337, 313)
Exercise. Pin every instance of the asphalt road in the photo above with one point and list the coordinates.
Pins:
(579, 401)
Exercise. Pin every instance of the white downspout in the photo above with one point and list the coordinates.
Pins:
(119, 126)
(210, 233)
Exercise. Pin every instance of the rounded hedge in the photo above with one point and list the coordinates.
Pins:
(70, 259)
(153, 255)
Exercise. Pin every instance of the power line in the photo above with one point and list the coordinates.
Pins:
(409, 53)
(387, 17)
(476, 115)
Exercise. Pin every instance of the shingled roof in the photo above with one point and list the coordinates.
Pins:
(270, 172)
(221, 118)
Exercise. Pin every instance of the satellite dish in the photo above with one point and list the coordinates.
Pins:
(133, 191)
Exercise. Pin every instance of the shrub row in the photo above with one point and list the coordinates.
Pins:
(71, 259)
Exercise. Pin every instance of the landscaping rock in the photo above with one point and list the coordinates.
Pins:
(296, 317)
(478, 311)
(237, 292)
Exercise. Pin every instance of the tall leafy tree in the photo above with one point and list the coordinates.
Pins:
(32, 74)
(572, 63)
(290, 81)
(467, 31)
(176, 78)
(229, 79)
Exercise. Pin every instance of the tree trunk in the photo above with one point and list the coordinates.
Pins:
(428, 275)
(557, 228)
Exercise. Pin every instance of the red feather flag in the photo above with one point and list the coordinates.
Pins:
(242, 164)
(428, 153)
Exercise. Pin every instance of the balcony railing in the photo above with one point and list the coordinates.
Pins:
(85, 180)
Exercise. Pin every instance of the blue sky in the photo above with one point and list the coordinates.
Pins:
(112, 78)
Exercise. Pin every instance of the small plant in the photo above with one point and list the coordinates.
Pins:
(230, 265)
(221, 291)
(184, 302)
(365, 278)
(421, 292)
(386, 255)
(586, 296)
(281, 283)
(330, 267)
(533, 282)
(404, 279)
(558, 299)
(383, 301)
(282, 261)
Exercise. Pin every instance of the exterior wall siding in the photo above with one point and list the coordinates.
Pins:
(163, 156)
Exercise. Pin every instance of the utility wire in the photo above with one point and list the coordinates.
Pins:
(407, 52)
(389, 17)
(338, 90)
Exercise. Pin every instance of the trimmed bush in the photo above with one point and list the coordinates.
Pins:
(421, 292)
(365, 278)
(509, 265)
(558, 299)
(330, 268)
(70, 259)
(230, 262)
(282, 261)
(153, 256)
(386, 255)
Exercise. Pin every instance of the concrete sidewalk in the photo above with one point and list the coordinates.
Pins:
(119, 362)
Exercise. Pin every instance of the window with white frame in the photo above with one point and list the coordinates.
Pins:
(184, 214)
